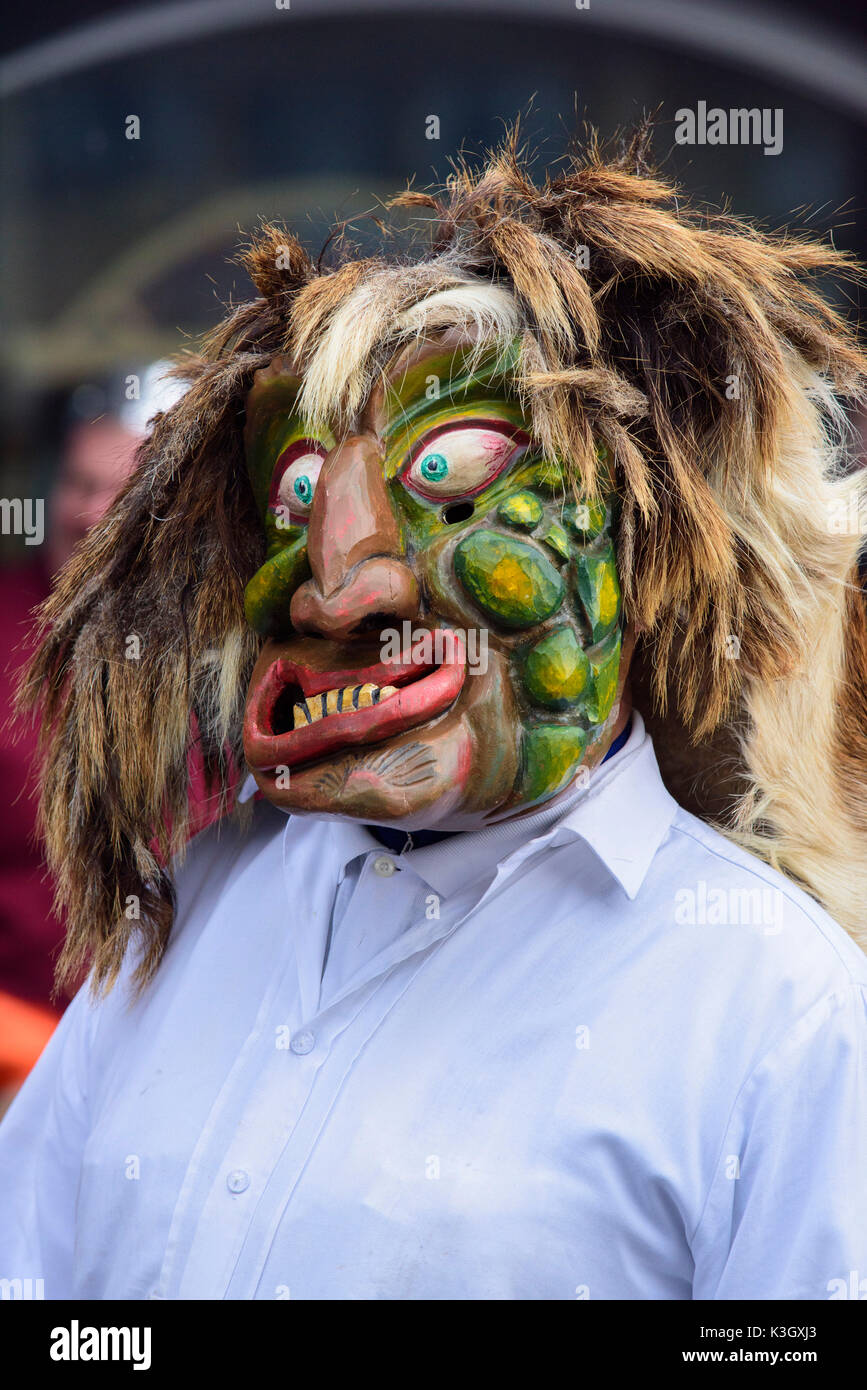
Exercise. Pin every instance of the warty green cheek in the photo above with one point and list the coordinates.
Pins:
(605, 666)
(559, 675)
(522, 509)
(507, 578)
(570, 673)
(556, 670)
(552, 754)
(560, 581)
(599, 589)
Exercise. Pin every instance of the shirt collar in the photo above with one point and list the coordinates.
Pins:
(248, 790)
(456, 862)
(623, 815)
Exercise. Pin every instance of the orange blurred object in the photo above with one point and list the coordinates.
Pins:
(24, 1030)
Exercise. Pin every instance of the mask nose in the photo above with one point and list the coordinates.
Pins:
(360, 583)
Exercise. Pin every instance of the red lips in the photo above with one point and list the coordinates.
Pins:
(417, 701)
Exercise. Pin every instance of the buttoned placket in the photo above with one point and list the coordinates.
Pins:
(378, 897)
(288, 1076)
(344, 1026)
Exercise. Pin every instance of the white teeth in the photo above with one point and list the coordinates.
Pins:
(348, 697)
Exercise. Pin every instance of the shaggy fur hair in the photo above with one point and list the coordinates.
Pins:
(726, 544)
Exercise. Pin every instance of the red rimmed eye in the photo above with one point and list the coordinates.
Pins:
(296, 474)
(462, 459)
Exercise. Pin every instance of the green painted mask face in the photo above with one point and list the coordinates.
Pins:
(443, 621)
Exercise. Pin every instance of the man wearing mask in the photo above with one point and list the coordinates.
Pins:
(467, 1005)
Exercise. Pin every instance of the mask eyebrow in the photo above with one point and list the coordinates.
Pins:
(467, 376)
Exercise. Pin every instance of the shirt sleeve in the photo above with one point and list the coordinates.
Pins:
(42, 1139)
(786, 1215)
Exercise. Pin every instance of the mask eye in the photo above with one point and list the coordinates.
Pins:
(295, 477)
(460, 460)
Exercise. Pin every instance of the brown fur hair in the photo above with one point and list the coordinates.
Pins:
(724, 532)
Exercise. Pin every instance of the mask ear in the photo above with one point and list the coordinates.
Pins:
(144, 629)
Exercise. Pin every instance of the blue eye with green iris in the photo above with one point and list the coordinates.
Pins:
(303, 489)
(434, 468)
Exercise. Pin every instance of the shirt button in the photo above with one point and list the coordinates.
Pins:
(302, 1043)
(238, 1180)
(384, 867)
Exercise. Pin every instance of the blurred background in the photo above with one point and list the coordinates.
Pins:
(139, 142)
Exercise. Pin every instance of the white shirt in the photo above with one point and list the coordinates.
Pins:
(577, 1081)
(372, 907)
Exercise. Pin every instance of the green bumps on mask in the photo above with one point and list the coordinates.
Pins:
(508, 578)
(562, 570)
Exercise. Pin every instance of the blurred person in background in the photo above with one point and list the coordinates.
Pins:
(97, 455)
(97, 459)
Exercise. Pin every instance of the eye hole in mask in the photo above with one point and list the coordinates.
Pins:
(457, 511)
